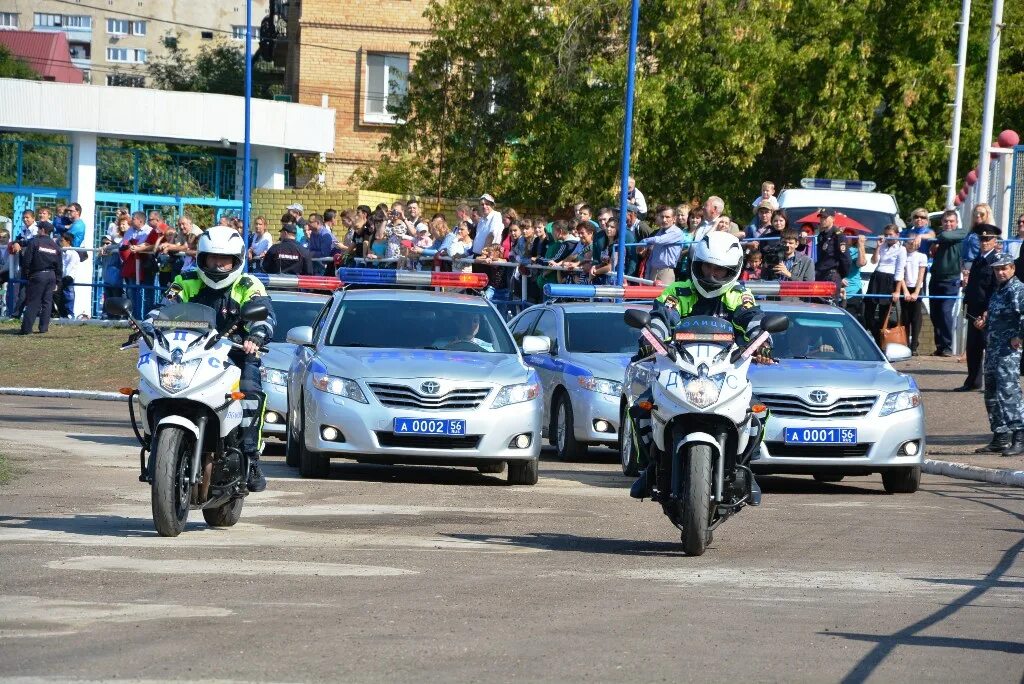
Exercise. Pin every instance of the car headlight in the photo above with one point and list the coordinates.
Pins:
(516, 394)
(342, 387)
(274, 376)
(900, 401)
(702, 390)
(175, 377)
(589, 382)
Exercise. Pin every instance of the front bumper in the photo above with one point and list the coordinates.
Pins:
(367, 430)
(276, 416)
(589, 408)
(880, 443)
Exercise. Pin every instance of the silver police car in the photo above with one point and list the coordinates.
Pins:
(588, 348)
(411, 376)
(292, 309)
(837, 406)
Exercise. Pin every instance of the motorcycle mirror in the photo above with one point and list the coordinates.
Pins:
(635, 318)
(117, 306)
(255, 311)
(775, 323)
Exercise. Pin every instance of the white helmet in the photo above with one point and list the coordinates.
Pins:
(220, 240)
(717, 248)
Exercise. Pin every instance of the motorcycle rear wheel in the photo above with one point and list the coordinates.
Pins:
(171, 487)
(225, 515)
(696, 500)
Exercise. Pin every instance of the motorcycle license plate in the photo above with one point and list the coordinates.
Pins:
(838, 435)
(430, 426)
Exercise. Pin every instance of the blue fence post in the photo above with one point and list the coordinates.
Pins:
(627, 143)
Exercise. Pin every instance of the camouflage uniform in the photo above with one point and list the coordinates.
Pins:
(1005, 321)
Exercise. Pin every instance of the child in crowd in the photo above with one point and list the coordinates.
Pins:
(752, 270)
(913, 290)
(497, 275)
(767, 196)
(65, 301)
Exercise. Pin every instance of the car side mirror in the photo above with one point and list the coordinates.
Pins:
(117, 306)
(635, 318)
(897, 352)
(775, 323)
(536, 344)
(255, 311)
(302, 336)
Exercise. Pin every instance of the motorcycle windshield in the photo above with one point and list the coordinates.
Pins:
(188, 316)
(707, 329)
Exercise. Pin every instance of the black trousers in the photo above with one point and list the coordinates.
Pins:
(912, 315)
(975, 355)
(38, 301)
(877, 308)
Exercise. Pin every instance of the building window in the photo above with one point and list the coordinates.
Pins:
(126, 27)
(126, 81)
(238, 32)
(126, 55)
(206, 35)
(9, 20)
(46, 20)
(66, 21)
(386, 75)
(80, 50)
(138, 28)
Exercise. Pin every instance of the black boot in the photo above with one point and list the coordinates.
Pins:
(256, 482)
(643, 488)
(1017, 448)
(1000, 442)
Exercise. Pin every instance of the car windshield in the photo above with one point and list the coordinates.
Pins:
(824, 336)
(294, 314)
(599, 332)
(390, 324)
(876, 221)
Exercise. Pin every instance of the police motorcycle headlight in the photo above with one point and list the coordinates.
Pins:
(702, 390)
(342, 387)
(600, 385)
(516, 394)
(175, 375)
(274, 376)
(900, 401)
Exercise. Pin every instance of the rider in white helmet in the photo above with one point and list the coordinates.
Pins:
(713, 289)
(220, 283)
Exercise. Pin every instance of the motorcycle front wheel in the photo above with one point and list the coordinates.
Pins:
(697, 500)
(171, 486)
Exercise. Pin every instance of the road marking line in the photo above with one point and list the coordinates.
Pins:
(219, 566)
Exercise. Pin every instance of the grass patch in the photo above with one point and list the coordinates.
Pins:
(67, 357)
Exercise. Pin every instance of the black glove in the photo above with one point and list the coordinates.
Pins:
(257, 339)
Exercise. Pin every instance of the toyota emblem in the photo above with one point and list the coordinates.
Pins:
(430, 387)
(818, 396)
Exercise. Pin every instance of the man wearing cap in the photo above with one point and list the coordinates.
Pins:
(640, 229)
(489, 228)
(287, 255)
(296, 210)
(1003, 323)
(833, 263)
(981, 284)
(43, 267)
(761, 226)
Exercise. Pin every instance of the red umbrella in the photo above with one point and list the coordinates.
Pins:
(841, 220)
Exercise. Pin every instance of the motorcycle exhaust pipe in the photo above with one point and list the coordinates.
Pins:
(197, 453)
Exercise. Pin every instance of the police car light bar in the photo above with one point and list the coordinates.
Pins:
(759, 288)
(284, 281)
(830, 184)
(390, 276)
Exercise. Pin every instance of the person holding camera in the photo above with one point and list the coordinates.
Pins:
(782, 261)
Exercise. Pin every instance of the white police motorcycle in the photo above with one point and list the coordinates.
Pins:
(704, 427)
(191, 413)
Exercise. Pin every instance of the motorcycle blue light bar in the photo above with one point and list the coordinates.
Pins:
(759, 288)
(285, 281)
(832, 184)
(390, 276)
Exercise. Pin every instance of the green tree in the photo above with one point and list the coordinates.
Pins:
(12, 67)
(216, 68)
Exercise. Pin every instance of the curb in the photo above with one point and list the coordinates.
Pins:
(1003, 476)
(62, 393)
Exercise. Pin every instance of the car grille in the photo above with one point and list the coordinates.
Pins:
(390, 439)
(844, 407)
(402, 396)
(783, 450)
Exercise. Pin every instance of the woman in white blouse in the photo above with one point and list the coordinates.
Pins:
(890, 260)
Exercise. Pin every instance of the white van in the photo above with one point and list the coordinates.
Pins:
(856, 199)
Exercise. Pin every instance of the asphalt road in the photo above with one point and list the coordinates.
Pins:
(441, 574)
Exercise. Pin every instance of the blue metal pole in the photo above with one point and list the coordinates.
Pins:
(627, 144)
(246, 180)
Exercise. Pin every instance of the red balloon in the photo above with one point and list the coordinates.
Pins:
(972, 177)
(962, 195)
(1008, 138)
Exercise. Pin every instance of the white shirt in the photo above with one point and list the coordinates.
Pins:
(28, 232)
(639, 200)
(71, 260)
(891, 260)
(915, 260)
(488, 225)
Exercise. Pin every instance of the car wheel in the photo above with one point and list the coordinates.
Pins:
(902, 480)
(827, 477)
(492, 468)
(291, 446)
(522, 472)
(565, 435)
(628, 455)
(311, 464)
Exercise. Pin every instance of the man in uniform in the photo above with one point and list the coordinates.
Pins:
(288, 256)
(219, 283)
(42, 266)
(980, 285)
(1004, 325)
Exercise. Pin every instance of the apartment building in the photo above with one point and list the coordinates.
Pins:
(112, 40)
(357, 53)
